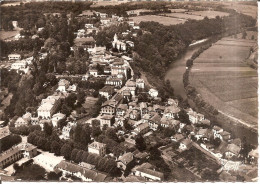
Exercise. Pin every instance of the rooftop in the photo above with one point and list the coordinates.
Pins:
(126, 158)
(96, 145)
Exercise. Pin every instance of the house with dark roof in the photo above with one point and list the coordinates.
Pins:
(148, 172)
(135, 114)
(177, 137)
(203, 134)
(185, 144)
(108, 120)
(106, 91)
(125, 161)
(171, 111)
(232, 150)
(225, 136)
(143, 108)
(81, 172)
(142, 128)
(140, 157)
(121, 109)
(154, 121)
(108, 107)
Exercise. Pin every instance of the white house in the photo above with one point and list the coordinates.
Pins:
(56, 118)
(148, 171)
(63, 85)
(185, 144)
(66, 129)
(153, 92)
(19, 65)
(118, 44)
(93, 72)
(140, 83)
(97, 148)
(48, 106)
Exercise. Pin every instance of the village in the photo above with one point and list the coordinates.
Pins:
(132, 129)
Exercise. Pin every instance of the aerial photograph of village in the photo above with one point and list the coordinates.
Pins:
(129, 90)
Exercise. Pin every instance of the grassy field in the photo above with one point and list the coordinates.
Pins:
(184, 16)
(178, 16)
(209, 14)
(224, 80)
(161, 19)
(7, 34)
(242, 8)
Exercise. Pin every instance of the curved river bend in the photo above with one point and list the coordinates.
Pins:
(175, 75)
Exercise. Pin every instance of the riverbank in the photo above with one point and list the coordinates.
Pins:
(223, 119)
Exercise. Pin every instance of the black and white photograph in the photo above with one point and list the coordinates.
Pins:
(128, 91)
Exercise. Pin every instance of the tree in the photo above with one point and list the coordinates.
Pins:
(73, 155)
(55, 148)
(96, 131)
(184, 117)
(81, 97)
(244, 34)
(111, 133)
(65, 151)
(52, 176)
(65, 109)
(16, 166)
(168, 132)
(47, 128)
(127, 126)
(79, 156)
(140, 142)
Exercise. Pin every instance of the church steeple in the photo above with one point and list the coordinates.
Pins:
(115, 38)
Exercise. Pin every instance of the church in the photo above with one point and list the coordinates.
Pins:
(120, 45)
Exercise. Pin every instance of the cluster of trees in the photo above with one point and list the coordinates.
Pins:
(106, 35)
(30, 15)
(73, 102)
(9, 141)
(121, 9)
(24, 130)
(163, 44)
(112, 141)
(78, 64)
(81, 134)
(21, 45)
(75, 149)
(25, 89)
(102, 164)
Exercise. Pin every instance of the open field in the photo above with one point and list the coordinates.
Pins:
(242, 8)
(178, 16)
(209, 14)
(178, 10)
(225, 81)
(161, 19)
(7, 34)
(184, 16)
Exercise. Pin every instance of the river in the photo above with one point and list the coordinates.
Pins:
(175, 75)
(177, 69)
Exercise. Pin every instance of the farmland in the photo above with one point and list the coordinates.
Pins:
(6, 35)
(246, 9)
(225, 81)
(178, 16)
(161, 19)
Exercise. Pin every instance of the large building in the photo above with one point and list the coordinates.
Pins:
(120, 45)
(97, 148)
(48, 107)
(16, 153)
(14, 57)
